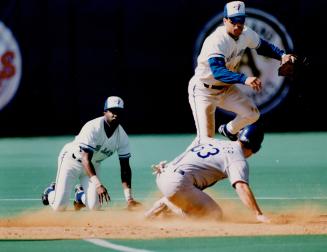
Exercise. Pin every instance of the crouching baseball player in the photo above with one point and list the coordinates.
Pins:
(183, 180)
(81, 159)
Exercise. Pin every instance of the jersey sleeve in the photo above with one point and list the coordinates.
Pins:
(238, 171)
(124, 146)
(221, 73)
(252, 38)
(269, 50)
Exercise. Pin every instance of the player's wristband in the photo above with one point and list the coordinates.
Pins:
(95, 180)
(128, 194)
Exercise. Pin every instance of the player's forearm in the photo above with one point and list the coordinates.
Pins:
(90, 171)
(221, 73)
(267, 49)
(87, 163)
(126, 178)
(88, 166)
(245, 194)
(125, 173)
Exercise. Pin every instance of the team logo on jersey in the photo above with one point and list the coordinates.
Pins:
(10, 65)
(275, 88)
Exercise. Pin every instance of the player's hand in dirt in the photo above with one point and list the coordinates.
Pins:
(103, 194)
(133, 204)
(263, 219)
(254, 83)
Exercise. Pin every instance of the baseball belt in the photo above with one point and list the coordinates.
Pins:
(74, 157)
(214, 86)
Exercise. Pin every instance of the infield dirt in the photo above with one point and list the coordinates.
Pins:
(117, 222)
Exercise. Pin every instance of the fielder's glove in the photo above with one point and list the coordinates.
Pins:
(292, 65)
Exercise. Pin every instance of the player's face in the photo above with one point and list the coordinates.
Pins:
(113, 115)
(233, 29)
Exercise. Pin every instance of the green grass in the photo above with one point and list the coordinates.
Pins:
(290, 169)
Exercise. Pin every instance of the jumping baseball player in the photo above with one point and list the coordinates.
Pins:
(81, 159)
(183, 180)
(213, 84)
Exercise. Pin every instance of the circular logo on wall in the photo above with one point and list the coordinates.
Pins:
(10, 65)
(275, 88)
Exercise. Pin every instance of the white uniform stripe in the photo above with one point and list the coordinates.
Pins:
(87, 146)
(107, 244)
(125, 155)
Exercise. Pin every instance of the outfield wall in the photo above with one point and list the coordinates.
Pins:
(76, 53)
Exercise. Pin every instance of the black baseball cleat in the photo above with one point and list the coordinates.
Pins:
(46, 192)
(78, 204)
(223, 131)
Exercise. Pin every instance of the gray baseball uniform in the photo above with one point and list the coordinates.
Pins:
(185, 178)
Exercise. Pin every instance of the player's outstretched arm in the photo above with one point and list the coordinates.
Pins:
(126, 179)
(245, 194)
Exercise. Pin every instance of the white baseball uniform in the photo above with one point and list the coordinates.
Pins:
(70, 169)
(183, 179)
(204, 100)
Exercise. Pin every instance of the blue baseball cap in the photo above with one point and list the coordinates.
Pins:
(235, 11)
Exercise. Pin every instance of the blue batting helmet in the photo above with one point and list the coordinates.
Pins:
(251, 137)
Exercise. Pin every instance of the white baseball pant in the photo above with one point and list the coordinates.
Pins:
(177, 186)
(69, 173)
(204, 101)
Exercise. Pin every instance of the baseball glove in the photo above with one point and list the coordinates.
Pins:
(291, 68)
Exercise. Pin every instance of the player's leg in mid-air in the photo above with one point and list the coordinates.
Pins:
(203, 103)
(203, 110)
(246, 111)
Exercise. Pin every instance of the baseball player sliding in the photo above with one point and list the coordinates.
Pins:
(183, 180)
(213, 84)
(81, 159)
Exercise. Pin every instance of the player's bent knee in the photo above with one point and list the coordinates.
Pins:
(57, 204)
(252, 116)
